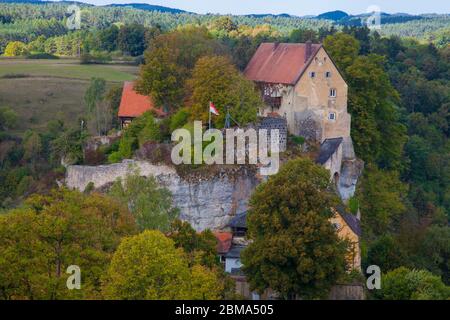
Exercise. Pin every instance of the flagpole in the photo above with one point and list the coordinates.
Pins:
(209, 113)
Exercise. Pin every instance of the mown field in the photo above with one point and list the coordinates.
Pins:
(65, 68)
(42, 90)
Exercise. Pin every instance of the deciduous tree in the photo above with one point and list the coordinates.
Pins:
(295, 249)
(53, 232)
(150, 203)
(169, 61)
(16, 48)
(215, 79)
(381, 197)
(405, 284)
(148, 266)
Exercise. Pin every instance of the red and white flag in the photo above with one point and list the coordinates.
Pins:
(213, 109)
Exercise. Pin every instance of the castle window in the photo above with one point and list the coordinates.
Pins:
(328, 74)
(332, 116)
(332, 93)
(312, 74)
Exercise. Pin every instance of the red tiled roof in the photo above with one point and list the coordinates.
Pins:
(223, 241)
(134, 104)
(279, 62)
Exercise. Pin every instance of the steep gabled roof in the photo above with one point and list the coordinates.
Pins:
(239, 220)
(134, 104)
(223, 241)
(351, 220)
(327, 149)
(280, 62)
(235, 252)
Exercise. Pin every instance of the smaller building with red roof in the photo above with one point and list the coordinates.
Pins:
(133, 105)
(224, 241)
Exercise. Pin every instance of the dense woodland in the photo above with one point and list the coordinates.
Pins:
(399, 99)
(26, 22)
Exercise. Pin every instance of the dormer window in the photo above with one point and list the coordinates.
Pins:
(312, 74)
(332, 93)
(328, 74)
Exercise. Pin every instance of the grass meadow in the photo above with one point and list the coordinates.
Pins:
(65, 68)
(42, 90)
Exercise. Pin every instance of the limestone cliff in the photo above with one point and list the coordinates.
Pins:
(205, 203)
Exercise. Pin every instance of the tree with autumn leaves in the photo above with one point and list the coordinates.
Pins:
(52, 232)
(295, 250)
(149, 266)
(188, 68)
(169, 62)
(99, 234)
(216, 79)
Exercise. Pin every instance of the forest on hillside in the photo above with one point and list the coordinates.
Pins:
(25, 22)
(399, 100)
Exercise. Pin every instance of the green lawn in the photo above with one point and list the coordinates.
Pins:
(66, 68)
(42, 90)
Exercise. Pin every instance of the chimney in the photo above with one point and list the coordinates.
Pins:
(308, 50)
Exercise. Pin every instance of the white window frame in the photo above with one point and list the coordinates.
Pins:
(332, 116)
(328, 74)
(312, 74)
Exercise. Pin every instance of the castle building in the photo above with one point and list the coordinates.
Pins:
(300, 82)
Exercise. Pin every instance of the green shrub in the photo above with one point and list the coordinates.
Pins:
(299, 140)
(178, 119)
(15, 76)
(353, 205)
(95, 58)
(41, 55)
(143, 129)
(89, 188)
(126, 147)
(114, 157)
(405, 284)
(150, 132)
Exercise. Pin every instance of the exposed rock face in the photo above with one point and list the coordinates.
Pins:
(206, 203)
(350, 171)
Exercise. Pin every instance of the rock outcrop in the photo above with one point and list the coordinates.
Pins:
(351, 170)
(205, 203)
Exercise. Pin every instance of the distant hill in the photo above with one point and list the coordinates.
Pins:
(265, 15)
(342, 18)
(333, 15)
(21, 1)
(385, 18)
(338, 17)
(148, 7)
